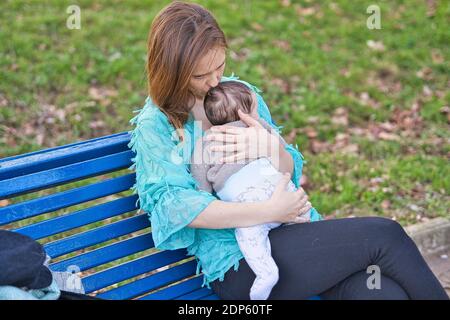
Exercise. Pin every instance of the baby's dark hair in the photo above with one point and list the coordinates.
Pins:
(224, 100)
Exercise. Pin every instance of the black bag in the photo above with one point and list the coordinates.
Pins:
(22, 262)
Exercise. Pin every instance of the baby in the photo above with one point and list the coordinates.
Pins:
(244, 181)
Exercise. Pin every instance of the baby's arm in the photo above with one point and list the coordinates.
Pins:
(200, 166)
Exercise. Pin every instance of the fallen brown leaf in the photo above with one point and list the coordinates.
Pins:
(388, 136)
(385, 204)
(319, 146)
(311, 133)
(375, 45)
(301, 11)
(340, 117)
(283, 44)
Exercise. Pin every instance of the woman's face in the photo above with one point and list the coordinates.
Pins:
(208, 72)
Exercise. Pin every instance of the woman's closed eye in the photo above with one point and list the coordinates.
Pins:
(198, 77)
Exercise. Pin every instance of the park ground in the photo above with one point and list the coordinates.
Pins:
(369, 109)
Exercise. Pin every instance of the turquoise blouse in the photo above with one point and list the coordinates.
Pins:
(169, 194)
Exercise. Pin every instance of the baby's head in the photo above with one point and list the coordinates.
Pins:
(223, 102)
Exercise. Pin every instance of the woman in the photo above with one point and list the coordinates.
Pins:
(186, 57)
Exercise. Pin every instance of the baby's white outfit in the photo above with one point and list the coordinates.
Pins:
(251, 181)
(256, 182)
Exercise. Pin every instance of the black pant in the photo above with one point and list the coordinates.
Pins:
(66, 295)
(330, 258)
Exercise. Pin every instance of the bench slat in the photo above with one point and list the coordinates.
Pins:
(132, 269)
(152, 282)
(97, 235)
(211, 297)
(53, 177)
(106, 254)
(79, 218)
(196, 295)
(52, 167)
(46, 159)
(35, 207)
(175, 290)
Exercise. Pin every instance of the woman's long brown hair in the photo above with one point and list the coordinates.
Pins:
(180, 35)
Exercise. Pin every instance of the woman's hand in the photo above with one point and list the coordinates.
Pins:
(286, 206)
(244, 143)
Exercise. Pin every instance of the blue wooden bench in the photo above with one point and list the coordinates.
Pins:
(99, 233)
(156, 275)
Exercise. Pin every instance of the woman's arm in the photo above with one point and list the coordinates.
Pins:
(200, 164)
(221, 215)
(283, 206)
(167, 191)
(297, 157)
(286, 163)
(258, 140)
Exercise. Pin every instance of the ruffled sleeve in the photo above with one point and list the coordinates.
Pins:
(166, 190)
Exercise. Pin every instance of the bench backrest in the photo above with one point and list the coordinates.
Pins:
(86, 224)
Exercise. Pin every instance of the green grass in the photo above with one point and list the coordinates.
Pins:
(324, 59)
